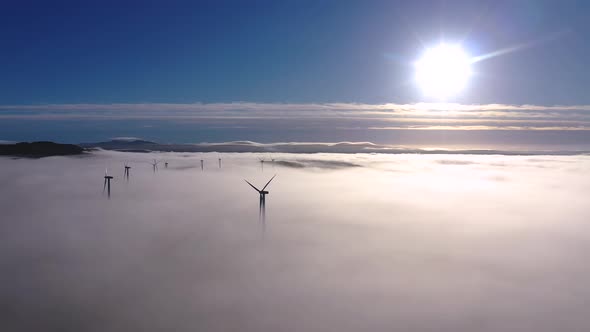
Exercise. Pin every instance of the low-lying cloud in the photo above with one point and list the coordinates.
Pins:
(399, 242)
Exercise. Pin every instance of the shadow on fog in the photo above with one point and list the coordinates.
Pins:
(311, 163)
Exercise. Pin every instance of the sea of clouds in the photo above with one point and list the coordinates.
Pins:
(353, 242)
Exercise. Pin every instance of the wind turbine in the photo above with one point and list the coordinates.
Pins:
(155, 165)
(262, 204)
(272, 160)
(166, 165)
(126, 174)
(219, 162)
(107, 183)
(261, 163)
(202, 165)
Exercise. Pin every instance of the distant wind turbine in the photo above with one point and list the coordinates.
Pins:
(219, 162)
(202, 165)
(166, 165)
(262, 204)
(155, 165)
(126, 174)
(107, 183)
(261, 163)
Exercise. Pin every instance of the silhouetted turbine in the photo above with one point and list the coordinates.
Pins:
(166, 165)
(272, 160)
(262, 204)
(126, 174)
(202, 165)
(107, 183)
(219, 162)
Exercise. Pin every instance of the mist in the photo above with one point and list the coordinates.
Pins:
(352, 242)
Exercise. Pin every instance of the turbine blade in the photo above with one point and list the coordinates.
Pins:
(105, 185)
(268, 182)
(251, 185)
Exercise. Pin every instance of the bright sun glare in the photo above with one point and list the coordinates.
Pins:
(443, 71)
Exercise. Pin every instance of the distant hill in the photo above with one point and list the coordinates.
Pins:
(138, 145)
(39, 149)
(130, 145)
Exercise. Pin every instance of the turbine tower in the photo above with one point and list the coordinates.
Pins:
(126, 174)
(219, 162)
(107, 183)
(202, 165)
(262, 203)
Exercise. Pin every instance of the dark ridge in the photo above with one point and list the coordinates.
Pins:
(135, 150)
(40, 149)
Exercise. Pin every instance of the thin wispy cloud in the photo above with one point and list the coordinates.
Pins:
(423, 116)
(250, 106)
(462, 127)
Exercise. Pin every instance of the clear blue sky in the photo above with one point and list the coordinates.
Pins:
(279, 51)
(100, 52)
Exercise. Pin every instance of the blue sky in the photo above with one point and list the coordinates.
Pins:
(273, 52)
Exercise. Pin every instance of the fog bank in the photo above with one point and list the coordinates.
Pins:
(352, 242)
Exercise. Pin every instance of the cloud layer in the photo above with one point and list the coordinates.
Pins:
(390, 116)
(376, 243)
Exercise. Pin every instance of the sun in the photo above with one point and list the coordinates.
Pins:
(443, 71)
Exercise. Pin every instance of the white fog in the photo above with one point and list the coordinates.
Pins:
(353, 242)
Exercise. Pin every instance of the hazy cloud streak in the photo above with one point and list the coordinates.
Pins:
(398, 116)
